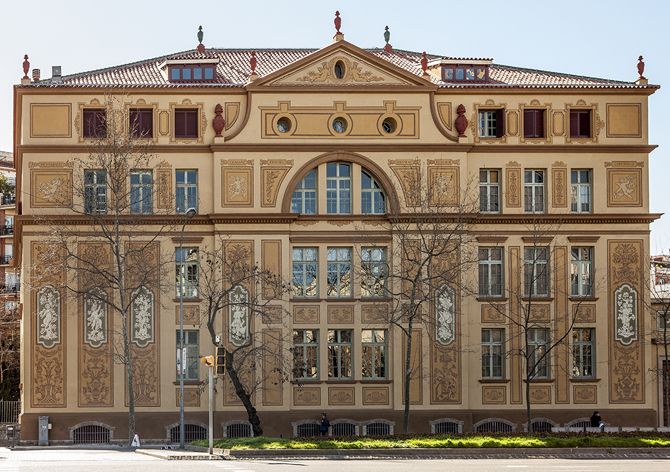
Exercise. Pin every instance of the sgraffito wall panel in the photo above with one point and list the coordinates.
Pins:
(627, 267)
(48, 330)
(273, 383)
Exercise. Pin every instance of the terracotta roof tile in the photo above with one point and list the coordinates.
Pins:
(233, 71)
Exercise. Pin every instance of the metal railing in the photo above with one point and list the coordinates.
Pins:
(8, 199)
(10, 411)
(6, 230)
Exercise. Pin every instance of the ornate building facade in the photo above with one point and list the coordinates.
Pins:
(288, 152)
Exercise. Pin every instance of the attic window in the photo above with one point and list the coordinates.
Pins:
(465, 73)
(191, 73)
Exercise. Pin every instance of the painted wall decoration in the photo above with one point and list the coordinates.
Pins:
(625, 314)
(445, 316)
(624, 183)
(238, 322)
(48, 316)
(142, 317)
(95, 318)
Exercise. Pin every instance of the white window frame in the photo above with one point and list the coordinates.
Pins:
(144, 191)
(534, 192)
(340, 191)
(374, 270)
(303, 346)
(95, 192)
(379, 354)
(336, 350)
(581, 268)
(490, 349)
(580, 352)
(531, 288)
(487, 264)
(336, 274)
(187, 271)
(191, 354)
(488, 124)
(186, 186)
(375, 192)
(581, 200)
(486, 187)
(300, 290)
(302, 192)
(539, 344)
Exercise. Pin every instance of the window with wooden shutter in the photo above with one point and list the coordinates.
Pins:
(580, 123)
(500, 123)
(533, 123)
(141, 122)
(95, 123)
(186, 123)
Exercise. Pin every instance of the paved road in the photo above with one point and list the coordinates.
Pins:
(115, 461)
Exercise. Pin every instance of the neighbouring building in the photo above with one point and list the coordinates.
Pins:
(660, 307)
(288, 152)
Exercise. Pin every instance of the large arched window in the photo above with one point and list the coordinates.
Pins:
(304, 195)
(338, 183)
(373, 200)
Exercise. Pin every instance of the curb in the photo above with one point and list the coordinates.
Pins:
(451, 453)
(172, 455)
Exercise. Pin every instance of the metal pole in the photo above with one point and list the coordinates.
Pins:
(211, 409)
(181, 340)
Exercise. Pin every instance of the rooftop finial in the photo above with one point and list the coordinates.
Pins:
(26, 67)
(387, 37)
(640, 67)
(201, 47)
(253, 62)
(339, 36)
(424, 63)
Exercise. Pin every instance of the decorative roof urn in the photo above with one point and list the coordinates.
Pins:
(219, 122)
(253, 62)
(25, 80)
(641, 80)
(387, 37)
(461, 122)
(339, 36)
(201, 47)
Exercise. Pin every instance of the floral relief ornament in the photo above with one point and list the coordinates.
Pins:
(142, 317)
(48, 316)
(96, 319)
(625, 305)
(445, 316)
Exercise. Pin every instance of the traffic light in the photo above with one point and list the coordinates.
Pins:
(220, 361)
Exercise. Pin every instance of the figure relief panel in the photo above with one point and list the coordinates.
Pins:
(494, 394)
(273, 173)
(443, 184)
(307, 396)
(237, 183)
(239, 333)
(50, 184)
(341, 396)
(625, 280)
(408, 173)
(624, 183)
(142, 317)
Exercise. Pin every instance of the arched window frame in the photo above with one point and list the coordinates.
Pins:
(375, 194)
(305, 198)
(338, 188)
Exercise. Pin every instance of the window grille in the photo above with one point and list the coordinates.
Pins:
(447, 427)
(307, 430)
(192, 432)
(239, 430)
(493, 426)
(91, 434)
(377, 429)
(344, 428)
(541, 426)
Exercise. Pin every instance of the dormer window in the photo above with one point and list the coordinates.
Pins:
(465, 73)
(191, 72)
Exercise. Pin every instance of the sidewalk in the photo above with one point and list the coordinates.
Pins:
(187, 455)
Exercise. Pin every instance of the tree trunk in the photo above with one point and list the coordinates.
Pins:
(529, 375)
(244, 397)
(129, 380)
(408, 377)
(665, 371)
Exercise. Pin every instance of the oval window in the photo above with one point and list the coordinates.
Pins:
(283, 125)
(389, 125)
(339, 69)
(339, 125)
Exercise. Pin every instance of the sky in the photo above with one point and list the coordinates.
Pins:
(600, 38)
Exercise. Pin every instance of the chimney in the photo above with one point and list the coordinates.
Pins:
(36, 75)
(56, 74)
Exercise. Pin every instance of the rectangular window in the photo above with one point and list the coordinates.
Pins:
(583, 352)
(580, 123)
(580, 181)
(95, 123)
(533, 123)
(303, 200)
(493, 342)
(339, 272)
(375, 272)
(489, 191)
(538, 358)
(374, 353)
(141, 192)
(339, 354)
(141, 122)
(536, 271)
(186, 271)
(190, 355)
(187, 190)
(533, 188)
(491, 271)
(305, 271)
(663, 325)
(186, 121)
(581, 271)
(306, 353)
(95, 192)
(491, 123)
(338, 187)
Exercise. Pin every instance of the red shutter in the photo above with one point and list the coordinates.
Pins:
(574, 123)
(500, 123)
(539, 123)
(528, 124)
(192, 123)
(147, 123)
(585, 124)
(179, 124)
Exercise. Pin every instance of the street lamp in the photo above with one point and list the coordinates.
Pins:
(189, 214)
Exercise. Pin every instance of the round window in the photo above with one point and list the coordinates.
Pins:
(339, 125)
(339, 69)
(389, 125)
(283, 125)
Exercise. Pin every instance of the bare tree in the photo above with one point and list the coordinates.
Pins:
(10, 341)
(110, 261)
(237, 293)
(422, 276)
(660, 305)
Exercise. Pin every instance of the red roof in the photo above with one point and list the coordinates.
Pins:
(233, 71)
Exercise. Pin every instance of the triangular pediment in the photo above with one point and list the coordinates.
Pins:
(357, 67)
